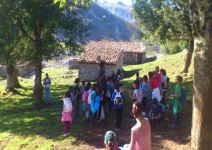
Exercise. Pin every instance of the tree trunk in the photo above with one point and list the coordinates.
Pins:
(202, 103)
(38, 88)
(189, 54)
(12, 78)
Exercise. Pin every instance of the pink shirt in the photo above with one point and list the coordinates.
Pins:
(141, 137)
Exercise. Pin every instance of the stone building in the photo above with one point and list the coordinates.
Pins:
(94, 53)
(134, 53)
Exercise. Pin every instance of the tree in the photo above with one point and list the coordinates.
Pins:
(165, 21)
(9, 39)
(48, 28)
(202, 113)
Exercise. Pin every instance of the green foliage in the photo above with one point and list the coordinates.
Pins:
(163, 21)
(173, 47)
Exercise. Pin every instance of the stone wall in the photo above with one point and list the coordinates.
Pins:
(130, 58)
(23, 70)
(134, 58)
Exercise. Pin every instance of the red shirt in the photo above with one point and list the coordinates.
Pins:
(155, 82)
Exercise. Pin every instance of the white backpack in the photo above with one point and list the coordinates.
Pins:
(67, 105)
(89, 97)
(118, 98)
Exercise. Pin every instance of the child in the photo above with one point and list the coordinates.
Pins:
(155, 83)
(118, 101)
(164, 85)
(156, 111)
(83, 86)
(137, 93)
(109, 92)
(66, 114)
(110, 141)
(145, 90)
(93, 104)
(77, 92)
(177, 104)
(47, 85)
(85, 101)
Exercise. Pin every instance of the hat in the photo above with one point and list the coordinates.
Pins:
(109, 136)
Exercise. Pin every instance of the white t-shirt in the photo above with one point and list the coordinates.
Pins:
(137, 94)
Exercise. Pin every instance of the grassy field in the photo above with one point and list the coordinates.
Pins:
(23, 127)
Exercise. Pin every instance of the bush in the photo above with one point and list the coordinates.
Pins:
(173, 47)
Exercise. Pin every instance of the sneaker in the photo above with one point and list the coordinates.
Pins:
(68, 133)
(65, 135)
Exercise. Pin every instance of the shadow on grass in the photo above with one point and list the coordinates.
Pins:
(128, 74)
(20, 118)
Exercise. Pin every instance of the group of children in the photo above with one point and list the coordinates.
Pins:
(106, 94)
(154, 88)
(97, 100)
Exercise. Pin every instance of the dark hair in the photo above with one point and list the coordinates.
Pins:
(67, 94)
(136, 82)
(145, 78)
(88, 85)
(77, 80)
(179, 78)
(163, 72)
(117, 86)
(94, 86)
(137, 74)
(154, 101)
(71, 89)
(150, 74)
(157, 68)
(83, 82)
(137, 109)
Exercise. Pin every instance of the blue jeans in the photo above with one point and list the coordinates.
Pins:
(48, 95)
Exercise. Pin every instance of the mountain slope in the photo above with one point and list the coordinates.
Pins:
(105, 25)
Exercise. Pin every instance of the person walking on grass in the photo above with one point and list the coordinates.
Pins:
(67, 113)
(118, 103)
(47, 85)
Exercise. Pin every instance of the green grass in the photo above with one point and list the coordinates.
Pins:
(23, 127)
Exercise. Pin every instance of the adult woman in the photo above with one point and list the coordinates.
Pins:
(141, 132)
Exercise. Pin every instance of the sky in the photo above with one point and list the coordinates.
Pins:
(126, 2)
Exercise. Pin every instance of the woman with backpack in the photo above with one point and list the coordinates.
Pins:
(117, 101)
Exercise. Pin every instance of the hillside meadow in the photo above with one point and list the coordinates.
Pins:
(23, 127)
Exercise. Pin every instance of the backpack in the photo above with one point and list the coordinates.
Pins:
(183, 97)
(118, 100)
(90, 97)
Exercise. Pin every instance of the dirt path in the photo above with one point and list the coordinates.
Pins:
(163, 137)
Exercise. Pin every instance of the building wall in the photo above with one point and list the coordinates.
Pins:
(90, 72)
(134, 58)
(130, 58)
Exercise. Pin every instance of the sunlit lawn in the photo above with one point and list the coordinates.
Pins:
(23, 127)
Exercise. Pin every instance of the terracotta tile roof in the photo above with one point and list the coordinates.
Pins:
(101, 51)
(135, 47)
(109, 51)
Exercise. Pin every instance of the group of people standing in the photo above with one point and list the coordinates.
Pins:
(106, 95)
(98, 100)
